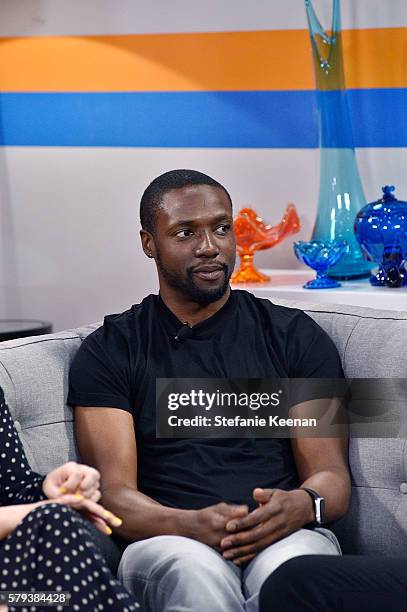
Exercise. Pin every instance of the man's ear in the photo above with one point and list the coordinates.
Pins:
(147, 242)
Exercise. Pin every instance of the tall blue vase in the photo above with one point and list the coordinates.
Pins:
(340, 188)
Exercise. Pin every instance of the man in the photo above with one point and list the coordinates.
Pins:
(209, 519)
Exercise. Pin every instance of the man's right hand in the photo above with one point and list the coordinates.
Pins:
(208, 525)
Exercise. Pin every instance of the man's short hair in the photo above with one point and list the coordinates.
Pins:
(174, 179)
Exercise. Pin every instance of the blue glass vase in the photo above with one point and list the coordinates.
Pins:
(381, 229)
(340, 188)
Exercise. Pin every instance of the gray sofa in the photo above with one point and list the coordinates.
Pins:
(372, 344)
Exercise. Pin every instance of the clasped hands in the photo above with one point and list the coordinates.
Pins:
(77, 485)
(239, 534)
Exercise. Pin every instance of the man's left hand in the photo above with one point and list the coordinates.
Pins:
(279, 514)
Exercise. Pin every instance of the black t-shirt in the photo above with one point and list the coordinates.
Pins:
(117, 366)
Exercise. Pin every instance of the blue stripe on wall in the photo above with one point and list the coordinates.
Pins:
(281, 119)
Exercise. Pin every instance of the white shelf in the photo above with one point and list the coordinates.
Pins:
(288, 285)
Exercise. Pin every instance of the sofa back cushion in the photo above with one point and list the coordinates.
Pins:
(34, 376)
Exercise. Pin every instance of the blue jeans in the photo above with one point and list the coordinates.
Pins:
(177, 574)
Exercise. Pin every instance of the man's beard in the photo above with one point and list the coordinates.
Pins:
(188, 286)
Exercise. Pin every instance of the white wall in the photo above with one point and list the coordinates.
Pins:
(58, 17)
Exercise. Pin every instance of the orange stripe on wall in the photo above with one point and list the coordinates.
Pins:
(256, 60)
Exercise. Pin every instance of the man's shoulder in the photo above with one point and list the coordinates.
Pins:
(279, 315)
(308, 349)
(127, 323)
(102, 370)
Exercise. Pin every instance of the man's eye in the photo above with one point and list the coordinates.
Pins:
(185, 233)
(223, 229)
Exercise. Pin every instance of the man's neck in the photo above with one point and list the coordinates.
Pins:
(188, 311)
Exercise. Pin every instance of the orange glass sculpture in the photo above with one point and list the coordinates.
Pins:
(252, 235)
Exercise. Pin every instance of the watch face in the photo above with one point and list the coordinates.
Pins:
(319, 505)
(320, 510)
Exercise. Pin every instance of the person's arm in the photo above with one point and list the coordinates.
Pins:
(106, 440)
(322, 465)
(11, 516)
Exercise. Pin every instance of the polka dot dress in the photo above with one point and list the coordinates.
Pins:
(18, 483)
(52, 548)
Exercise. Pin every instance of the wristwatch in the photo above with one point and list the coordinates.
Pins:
(319, 506)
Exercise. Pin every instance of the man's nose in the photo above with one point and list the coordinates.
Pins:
(207, 246)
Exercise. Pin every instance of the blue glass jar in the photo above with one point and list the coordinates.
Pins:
(381, 230)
